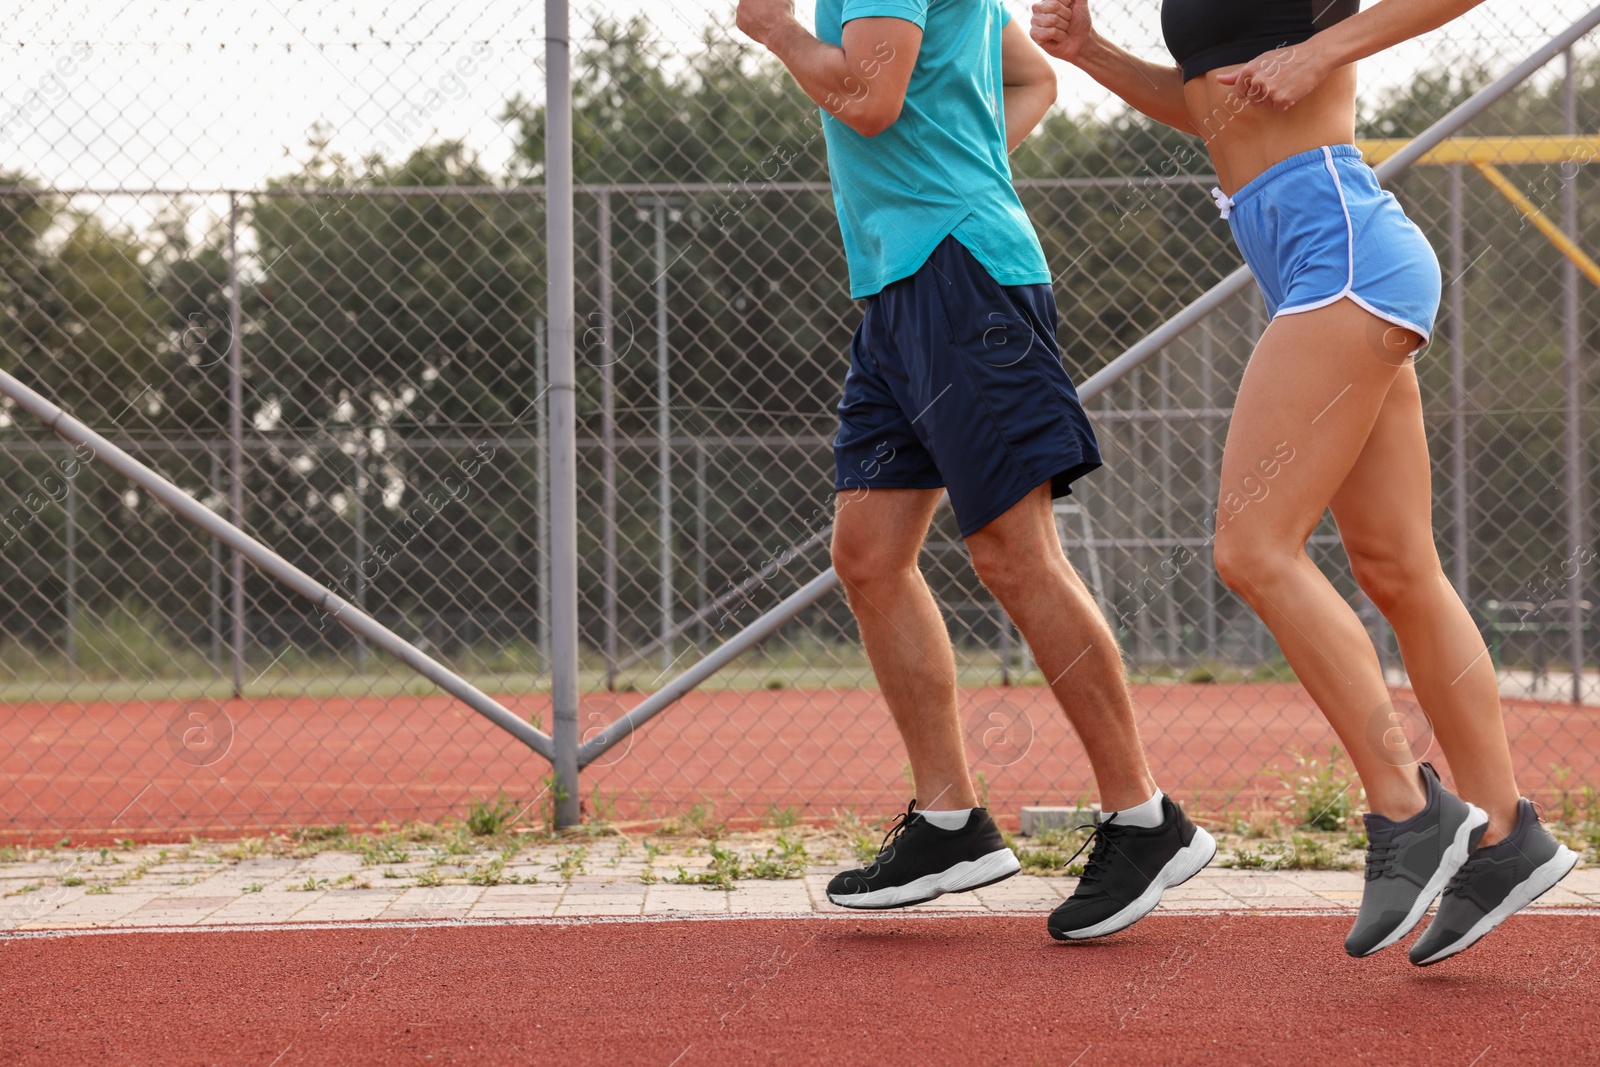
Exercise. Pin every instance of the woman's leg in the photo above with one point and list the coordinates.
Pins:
(1307, 404)
(1385, 515)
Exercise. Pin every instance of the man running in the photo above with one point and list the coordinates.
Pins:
(956, 384)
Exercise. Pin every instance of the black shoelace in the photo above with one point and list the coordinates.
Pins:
(1098, 858)
(1379, 859)
(898, 827)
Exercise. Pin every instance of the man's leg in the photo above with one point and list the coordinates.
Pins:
(954, 846)
(1019, 558)
(877, 536)
(1145, 844)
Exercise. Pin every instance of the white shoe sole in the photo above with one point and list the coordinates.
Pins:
(1540, 882)
(961, 878)
(1188, 862)
(1449, 864)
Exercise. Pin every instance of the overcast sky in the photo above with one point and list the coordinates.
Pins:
(205, 93)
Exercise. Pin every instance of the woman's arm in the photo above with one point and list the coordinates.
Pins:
(1063, 29)
(1030, 84)
(863, 84)
(1285, 76)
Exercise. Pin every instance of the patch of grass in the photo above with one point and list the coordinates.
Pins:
(1300, 853)
(570, 863)
(254, 887)
(377, 851)
(8, 854)
(1322, 796)
(699, 819)
(788, 860)
(1049, 853)
(72, 880)
(317, 835)
(486, 818)
(1258, 824)
(311, 885)
(430, 878)
(781, 818)
(721, 874)
(491, 873)
(99, 890)
(247, 848)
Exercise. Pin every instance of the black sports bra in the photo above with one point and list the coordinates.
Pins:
(1203, 35)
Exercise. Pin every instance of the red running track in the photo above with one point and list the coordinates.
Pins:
(100, 771)
(1242, 989)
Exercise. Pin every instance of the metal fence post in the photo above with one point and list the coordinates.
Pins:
(541, 464)
(1573, 342)
(608, 441)
(236, 436)
(562, 295)
(360, 524)
(1212, 479)
(216, 567)
(72, 581)
(702, 556)
(1460, 499)
(664, 428)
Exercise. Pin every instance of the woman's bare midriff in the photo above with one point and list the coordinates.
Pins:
(1246, 139)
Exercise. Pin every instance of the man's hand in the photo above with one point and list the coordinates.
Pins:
(1061, 27)
(1280, 78)
(760, 20)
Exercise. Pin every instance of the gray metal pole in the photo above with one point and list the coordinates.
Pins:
(664, 428)
(541, 464)
(608, 442)
(1213, 479)
(216, 569)
(561, 283)
(236, 437)
(1460, 500)
(1574, 354)
(71, 503)
(702, 555)
(1168, 461)
(360, 458)
(270, 563)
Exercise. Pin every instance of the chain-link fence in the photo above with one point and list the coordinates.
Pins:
(294, 259)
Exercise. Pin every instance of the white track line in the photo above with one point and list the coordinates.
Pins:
(601, 920)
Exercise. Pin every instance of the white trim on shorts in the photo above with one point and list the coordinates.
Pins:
(1349, 290)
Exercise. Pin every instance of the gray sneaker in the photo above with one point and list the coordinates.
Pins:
(1409, 863)
(1497, 881)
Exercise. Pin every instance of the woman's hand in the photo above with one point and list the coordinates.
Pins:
(1061, 27)
(1280, 78)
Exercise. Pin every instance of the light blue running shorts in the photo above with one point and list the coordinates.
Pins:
(1316, 229)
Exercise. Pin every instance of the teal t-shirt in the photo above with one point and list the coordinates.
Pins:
(941, 169)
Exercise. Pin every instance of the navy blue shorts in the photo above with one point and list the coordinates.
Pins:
(956, 382)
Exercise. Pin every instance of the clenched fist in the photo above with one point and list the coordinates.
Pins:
(758, 19)
(1061, 27)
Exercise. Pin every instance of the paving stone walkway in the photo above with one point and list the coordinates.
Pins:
(544, 883)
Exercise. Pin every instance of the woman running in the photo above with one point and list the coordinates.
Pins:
(1352, 288)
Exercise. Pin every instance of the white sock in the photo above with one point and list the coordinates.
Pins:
(1148, 814)
(948, 820)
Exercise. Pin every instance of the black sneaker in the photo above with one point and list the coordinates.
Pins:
(1497, 881)
(918, 862)
(1129, 869)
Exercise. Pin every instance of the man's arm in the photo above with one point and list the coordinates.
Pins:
(1284, 77)
(1030, 84)
(1064, 30)
(863, 84)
